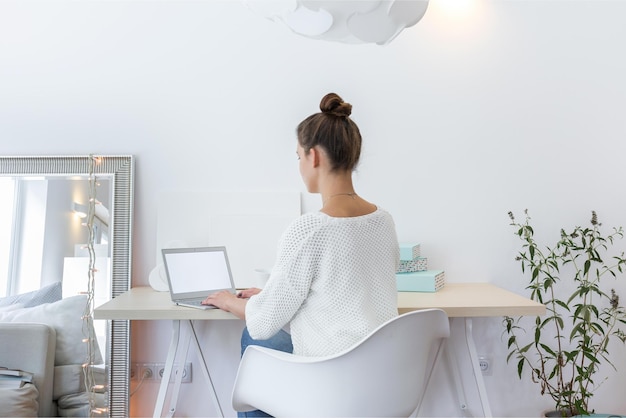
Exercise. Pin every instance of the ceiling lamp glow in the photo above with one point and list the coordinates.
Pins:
(348, 21)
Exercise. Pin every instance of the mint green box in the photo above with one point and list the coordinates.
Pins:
(420, 281)
(410, 266)
(409, 251)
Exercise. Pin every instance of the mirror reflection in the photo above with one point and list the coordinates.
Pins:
(41, 224)
(45, 266)
(43, 238)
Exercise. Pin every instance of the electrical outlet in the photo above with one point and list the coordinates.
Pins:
(186, 378)
(145, 371)
(485, 364)
(155, 371)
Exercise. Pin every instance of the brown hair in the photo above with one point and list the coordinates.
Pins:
(333, 130)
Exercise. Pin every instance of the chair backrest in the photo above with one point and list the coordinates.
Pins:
(385, 374)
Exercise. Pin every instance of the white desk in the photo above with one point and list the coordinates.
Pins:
(144, 303)
(459, 300)
(464, 301)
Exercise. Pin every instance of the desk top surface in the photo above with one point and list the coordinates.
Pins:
(457, 299)
(471, 300)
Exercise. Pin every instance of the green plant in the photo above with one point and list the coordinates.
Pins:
(566, 347)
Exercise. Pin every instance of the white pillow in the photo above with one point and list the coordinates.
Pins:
(68, 379)
(19, 402)
(47, 294)
(13, 307)
(65, 316)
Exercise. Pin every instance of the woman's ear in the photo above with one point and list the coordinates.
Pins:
(315, 156)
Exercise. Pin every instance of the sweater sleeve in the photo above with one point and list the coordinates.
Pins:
(289, 282)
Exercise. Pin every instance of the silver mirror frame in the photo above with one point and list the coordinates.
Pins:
(120, 168)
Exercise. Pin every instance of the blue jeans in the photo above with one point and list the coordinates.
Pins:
(281, 342)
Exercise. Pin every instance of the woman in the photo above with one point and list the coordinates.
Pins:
(334, 277)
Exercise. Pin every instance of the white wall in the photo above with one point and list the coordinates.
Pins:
(504, 106)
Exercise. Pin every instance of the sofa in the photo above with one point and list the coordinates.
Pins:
(30, 347)
(44, 336)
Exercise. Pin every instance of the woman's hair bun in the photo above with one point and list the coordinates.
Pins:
(334, 105)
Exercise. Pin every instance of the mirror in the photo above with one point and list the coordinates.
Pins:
(65, 179)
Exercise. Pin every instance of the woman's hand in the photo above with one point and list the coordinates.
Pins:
(228, 302)
(247, 293)
(219, 299)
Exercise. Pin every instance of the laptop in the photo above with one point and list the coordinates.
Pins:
(194, 273)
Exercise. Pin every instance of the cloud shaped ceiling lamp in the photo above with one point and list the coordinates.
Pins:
(348, 21)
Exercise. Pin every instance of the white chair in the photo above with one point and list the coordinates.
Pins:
(384, 375)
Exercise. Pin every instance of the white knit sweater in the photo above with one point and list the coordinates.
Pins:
(333, 282)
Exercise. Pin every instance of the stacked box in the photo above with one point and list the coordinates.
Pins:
(409, 251)
(410, 266)
(420, 281)
(413, 274)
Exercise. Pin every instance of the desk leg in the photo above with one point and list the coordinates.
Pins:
(179, 376)
(478, 375)
(453, 366)
(205, 369)
(169, 365)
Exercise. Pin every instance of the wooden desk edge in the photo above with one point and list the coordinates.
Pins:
(475, 312)
(522, 306)
(471, 300)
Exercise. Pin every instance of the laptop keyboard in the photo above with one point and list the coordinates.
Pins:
(195, 302)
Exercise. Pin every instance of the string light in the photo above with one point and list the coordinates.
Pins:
(88, 314)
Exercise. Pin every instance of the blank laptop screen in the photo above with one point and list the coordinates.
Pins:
(198, 271)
